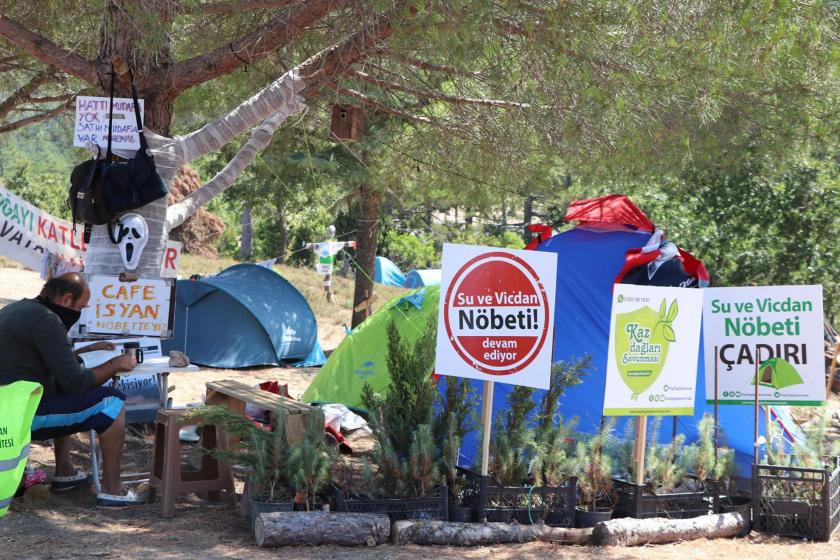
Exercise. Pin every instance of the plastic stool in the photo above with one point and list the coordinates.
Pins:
(167, 476)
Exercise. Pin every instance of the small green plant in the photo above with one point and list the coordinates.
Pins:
(512, 439)
(264, 450)
(455, 420)
(662, 470)
(552, 457)
(406, 455)
(593, 466)
(310, 462)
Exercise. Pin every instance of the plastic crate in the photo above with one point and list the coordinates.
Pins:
(797, 502)
(553, 505)
(429, 507)
(638, 502)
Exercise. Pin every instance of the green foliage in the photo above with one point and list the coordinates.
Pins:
(264, 451)
(512, 438)
(406, 453)
(662, 470)
(409, 251)
(310, 461)
(457, 418)
(593, 466)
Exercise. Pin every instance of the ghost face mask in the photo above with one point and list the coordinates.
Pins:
(132, 236)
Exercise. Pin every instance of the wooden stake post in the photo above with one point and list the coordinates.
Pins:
(487, 423)
(639, 452)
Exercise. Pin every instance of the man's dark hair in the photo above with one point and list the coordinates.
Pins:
(70, 283)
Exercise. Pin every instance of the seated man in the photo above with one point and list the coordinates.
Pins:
(33, 336)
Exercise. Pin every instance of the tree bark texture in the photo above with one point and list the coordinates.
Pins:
(366, 246)
(321, 528)
(482, 534)
(246, 243)
(634, 532)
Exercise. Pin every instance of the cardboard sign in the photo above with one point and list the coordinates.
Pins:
(27, 231)
(495, 321)
(92, 122)
(142, 308)
(150, 347)
(781, 327)
(654, 345)
(171, 259)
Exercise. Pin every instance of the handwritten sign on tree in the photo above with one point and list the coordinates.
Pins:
(143, 308)
(92, 122)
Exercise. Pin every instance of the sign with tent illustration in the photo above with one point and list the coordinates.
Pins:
(776, 329)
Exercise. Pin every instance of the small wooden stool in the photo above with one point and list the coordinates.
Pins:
(167, 476)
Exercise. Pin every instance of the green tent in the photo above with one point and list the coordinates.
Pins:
(777, 373)
(361, 357)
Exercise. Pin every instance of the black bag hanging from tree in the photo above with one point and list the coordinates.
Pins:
(103, 188)
(129, 184)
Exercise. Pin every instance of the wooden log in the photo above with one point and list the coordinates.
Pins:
(318, 527)
(477, 534)
(632, 532)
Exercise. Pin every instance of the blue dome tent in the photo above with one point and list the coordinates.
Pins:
(589, 257)
(387, 273)
(418, 278)
(246, 315)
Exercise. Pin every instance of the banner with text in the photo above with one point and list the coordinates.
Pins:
(496, 317)
(92, 122)
(781, 328)
(142, 308)
(27, 231)
(652, 356)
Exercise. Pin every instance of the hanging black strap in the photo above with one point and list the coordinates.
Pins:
(143, 144)
(109, 155)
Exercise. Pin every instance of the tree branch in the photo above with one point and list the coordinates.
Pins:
(47, 51)
(422, 64)
(304, 80)
(23, 93)
(37, 118)
(228, 8)
(53, 98)
(389, 85)
(276, 33)
(260, 138)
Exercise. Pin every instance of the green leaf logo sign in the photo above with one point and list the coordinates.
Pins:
(642, 339)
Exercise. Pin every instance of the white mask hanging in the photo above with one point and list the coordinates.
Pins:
(132, 236)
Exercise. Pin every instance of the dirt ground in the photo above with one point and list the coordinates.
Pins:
(69, 526)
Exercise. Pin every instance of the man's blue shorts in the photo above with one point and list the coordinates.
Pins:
(62, 415)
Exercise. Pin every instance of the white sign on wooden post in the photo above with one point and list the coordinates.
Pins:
(777, 328)
(496, 319)
(92, 122)
(142, 308)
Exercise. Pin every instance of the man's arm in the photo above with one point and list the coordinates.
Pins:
(57, 354)
(106, 370)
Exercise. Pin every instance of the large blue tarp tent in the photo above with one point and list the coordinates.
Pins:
(418, 278)
(588, 260)
(246, 315)
(386, 272)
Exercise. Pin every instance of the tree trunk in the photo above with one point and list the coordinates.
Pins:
(366, 246)
(321, 528)
(529, 215)
(632, 532)
(482, 534)
(246, 243)
(283, 228)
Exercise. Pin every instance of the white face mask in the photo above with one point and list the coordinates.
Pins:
(132, 236)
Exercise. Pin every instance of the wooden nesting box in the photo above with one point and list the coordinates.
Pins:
(347, 123)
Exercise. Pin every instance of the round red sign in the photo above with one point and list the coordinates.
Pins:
(496, 313)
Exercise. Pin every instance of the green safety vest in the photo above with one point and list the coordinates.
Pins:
(20, 400)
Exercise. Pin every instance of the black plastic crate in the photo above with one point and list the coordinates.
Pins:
(429, 507)
(553, 505)
(797, 502)
(638, 502)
